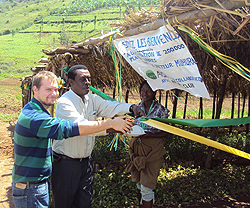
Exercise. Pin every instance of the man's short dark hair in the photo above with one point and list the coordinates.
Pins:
(72, 71)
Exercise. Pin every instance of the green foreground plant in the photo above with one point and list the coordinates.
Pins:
(177, 185)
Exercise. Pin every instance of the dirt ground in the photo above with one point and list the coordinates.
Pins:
(6, 155)
(6, 140)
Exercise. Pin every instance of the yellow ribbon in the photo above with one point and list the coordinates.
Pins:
(195, 137)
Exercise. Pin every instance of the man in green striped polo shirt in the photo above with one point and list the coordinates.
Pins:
(33, 136)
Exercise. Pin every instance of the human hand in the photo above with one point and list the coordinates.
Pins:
(120, 124)
(137, 111)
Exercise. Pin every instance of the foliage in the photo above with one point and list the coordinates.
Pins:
(180, 187)
(177, 185)
(21, 15)
(27, 27)
(109, 166)
(189, 153)
(81, 6)
(112, 189)
(105, 156)
(20, 53)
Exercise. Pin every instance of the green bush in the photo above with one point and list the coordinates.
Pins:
(6, 32)
(182, 187)
(177, 186)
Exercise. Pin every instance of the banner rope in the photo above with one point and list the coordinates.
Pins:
(224, 59)
(118, 73)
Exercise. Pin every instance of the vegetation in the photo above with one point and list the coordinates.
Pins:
(178, 185)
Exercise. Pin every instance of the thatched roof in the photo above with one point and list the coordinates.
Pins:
(224, 25)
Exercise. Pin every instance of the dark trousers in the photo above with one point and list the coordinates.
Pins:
(72, 183)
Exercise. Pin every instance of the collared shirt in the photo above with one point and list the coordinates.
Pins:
(71, 106)
(157, 111)
(33, 136)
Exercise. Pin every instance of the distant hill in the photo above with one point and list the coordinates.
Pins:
(17, 16)
(28, 26)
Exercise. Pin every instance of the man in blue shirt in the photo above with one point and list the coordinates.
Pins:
(33, 136)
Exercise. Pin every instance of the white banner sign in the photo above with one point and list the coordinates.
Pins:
(162, 58)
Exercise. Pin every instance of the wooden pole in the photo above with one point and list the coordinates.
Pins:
(114, 93)
(159, 96)
(126, 96)
(185, 106)
(239, 105)
(217, 116)
(243, 105)
(247, 127)
(166, 101)
(175, 103)
(201, 109)
(232, 111)
(214, 103)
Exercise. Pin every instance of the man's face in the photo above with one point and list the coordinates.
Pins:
(81, 83)
(47, 93)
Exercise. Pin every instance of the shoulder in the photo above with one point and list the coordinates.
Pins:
(157, 104)
(66, 94)
(66, 97)
(94, 98)
(161, 107)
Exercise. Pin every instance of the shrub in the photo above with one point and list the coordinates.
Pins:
(6, 32)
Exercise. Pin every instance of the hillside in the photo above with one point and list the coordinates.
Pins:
(27, 27)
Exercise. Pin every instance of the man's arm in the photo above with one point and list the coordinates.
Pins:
(108, 109)
(118, 124)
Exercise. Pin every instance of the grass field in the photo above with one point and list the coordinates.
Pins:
(21, 52)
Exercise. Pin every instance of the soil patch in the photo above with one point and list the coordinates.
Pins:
(8, 105)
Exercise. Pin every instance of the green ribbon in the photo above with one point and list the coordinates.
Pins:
(187, 122)
(202, 122)
(101, 94)
(65, 69)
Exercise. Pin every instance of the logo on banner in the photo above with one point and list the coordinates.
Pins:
(151, 74)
